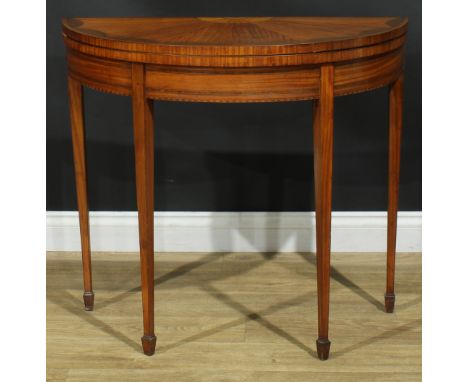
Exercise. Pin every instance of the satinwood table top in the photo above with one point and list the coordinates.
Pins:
(235, 41)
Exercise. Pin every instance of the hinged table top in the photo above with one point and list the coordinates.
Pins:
(232, 36)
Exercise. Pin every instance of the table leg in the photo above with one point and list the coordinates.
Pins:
(395, 125)
(75, 94)
(144, 164)
(323, 156)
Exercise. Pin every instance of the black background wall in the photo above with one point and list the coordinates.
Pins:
(240, 157)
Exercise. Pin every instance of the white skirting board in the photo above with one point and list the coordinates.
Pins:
(234, 231)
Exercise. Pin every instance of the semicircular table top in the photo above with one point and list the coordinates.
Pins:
(232, 36)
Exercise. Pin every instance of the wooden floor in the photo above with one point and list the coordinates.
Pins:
(233, 317)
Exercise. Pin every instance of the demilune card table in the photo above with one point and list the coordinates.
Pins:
(231, 59)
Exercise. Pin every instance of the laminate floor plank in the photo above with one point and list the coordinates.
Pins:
(233, 317)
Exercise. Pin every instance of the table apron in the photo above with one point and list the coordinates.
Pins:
(272, 84)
